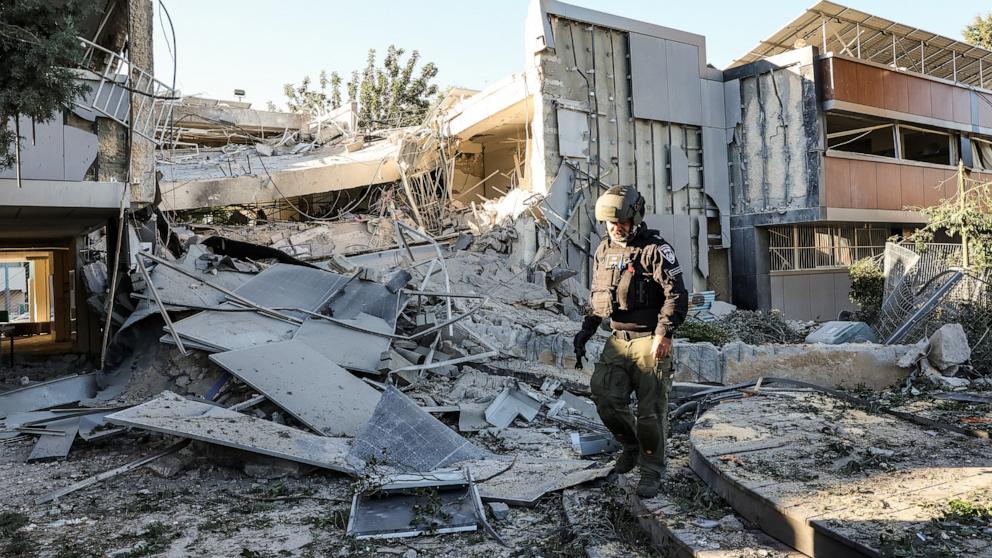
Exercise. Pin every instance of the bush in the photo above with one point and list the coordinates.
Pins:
(704, 332)
(867, 289)
(756, 328)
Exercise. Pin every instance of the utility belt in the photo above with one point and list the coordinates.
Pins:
(631, 335)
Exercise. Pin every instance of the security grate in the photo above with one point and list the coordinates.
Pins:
(804, 247)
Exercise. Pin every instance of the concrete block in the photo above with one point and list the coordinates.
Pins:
(499, 510)
(949, 346)
(697, 362)
(875, 366)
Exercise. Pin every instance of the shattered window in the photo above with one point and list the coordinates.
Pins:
(981, 152)
(860, 135)
(926, 146)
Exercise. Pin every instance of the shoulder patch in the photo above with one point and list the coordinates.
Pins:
(667, 252)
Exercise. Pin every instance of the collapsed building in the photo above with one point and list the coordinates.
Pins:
(305, 315)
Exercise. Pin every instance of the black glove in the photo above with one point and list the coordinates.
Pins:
(582, 337)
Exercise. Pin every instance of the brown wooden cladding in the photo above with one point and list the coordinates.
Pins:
(865, 84)
(860, 184)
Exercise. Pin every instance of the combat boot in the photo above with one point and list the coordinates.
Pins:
(649, 484)
(627, 461)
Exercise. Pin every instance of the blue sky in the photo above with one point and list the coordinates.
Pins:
(258, 45)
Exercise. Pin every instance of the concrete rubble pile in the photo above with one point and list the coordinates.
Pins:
(436, 378)
(377, 373)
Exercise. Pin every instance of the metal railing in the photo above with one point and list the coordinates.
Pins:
(153, 100)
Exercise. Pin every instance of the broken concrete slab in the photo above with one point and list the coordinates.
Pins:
(412, 505)
(509, 404)
(664, 520)
(941, 381)
(172, 464)
(48, 394)
(316, 391)
(850, 364)
(499, 510)
(196, 185)
(948, 347)
(402, 435)
(49, 447)
(175, 415)
(697, 362)
(529, 478)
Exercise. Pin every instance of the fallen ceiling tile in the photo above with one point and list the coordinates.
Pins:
(316, 391)
(509, 404)
(401, 434)
(48, 394)
(230, 331)
(172, 414)
(472, 417)
(56, 446)
(291, 286)
(355, 350)
(410, 505)
(530, 478)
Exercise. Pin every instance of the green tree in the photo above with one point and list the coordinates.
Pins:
(303, 99)
(38, 47)
(979, 31)
(353, 86)
(395, 94)
(335, 90)
(392, 95)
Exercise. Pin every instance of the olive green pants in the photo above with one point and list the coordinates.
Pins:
(625, 367)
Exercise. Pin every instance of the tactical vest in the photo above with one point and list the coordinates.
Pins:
(620, 282)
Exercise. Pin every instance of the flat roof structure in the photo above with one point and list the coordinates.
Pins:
(842, 30)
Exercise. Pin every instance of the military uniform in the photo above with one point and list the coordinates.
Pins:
(638, 285)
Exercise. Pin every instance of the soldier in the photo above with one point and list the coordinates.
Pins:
(637, 283)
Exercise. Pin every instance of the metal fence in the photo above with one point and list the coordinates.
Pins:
(925, 288)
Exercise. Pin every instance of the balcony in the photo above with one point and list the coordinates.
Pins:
(859, 86)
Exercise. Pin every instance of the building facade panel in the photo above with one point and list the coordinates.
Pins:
(864, 192)
(837, 186)
(889, 184)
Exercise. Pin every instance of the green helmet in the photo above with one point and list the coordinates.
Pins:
(620, 203)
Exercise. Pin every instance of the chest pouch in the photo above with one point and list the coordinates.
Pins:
(603, 289)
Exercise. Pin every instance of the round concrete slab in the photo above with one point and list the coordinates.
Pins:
(832, 480)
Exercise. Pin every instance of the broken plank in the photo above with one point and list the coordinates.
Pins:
(99, 477)
(55, 447)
